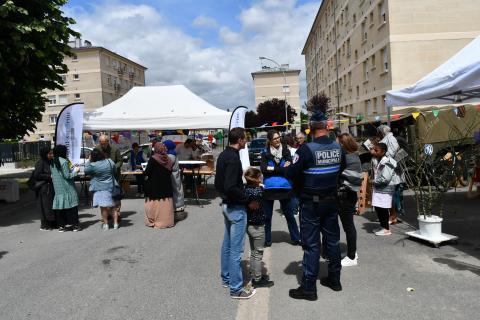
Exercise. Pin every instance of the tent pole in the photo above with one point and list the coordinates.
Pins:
(389, 111)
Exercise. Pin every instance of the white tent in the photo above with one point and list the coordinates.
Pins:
(157, 107)
(455, 81)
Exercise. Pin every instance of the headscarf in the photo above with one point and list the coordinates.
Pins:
(44, 154)
(170, 147)
(160, 155)
(277, 153)
(60, 151)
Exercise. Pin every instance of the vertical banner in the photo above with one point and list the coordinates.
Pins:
(69, 130)
(237, 120)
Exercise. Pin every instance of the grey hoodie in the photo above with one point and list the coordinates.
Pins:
(384, 171)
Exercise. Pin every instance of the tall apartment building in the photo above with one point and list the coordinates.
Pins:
(96, 76)
(281, 83)
(382, 45)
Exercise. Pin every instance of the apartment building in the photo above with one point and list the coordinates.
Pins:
(96, 76)
(382, 45)
(281, 83)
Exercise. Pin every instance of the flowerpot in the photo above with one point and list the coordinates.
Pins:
(430, 226)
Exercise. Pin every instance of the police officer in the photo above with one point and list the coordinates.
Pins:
(315, 171)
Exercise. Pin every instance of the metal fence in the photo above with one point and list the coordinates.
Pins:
(15, 152)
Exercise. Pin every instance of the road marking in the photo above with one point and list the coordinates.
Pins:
(256, 308)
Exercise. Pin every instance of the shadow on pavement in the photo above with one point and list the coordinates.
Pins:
(280, 236)
(295, 268)
(2, 253)
(458, 265)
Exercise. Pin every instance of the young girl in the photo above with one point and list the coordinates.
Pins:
(256, 228)
(383, 187)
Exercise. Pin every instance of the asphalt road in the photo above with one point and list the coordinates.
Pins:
(140, 273)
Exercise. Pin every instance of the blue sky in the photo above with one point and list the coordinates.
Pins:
(209, 45)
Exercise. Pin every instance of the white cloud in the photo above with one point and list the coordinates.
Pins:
(220, 74)
(205, 22)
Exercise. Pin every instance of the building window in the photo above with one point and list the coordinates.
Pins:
(368, 107)
(365, 70)
(349, 79)
(356, 55)
(285, 89)
(77, 96)
(52, 100)
(364, 31)
(64, 79)
(76, 77)
(52, 119)
(384, 59)
(354, 18)
(374, 105)
(349, 48)
(63, 99)
(358, 92)
(74, 57)
(371, 18)
(384, 98)
(382, 15)
(109, 80)
(372, 59)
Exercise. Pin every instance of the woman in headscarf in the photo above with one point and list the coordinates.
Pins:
(275, 159)
(65, 201)
(178, 199)
(44, 189)
(158, 193)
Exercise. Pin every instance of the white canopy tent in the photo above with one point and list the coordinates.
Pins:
(157, 108)
(455, 81)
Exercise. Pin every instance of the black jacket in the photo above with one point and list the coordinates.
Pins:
(277, 194)
(158, 181)
(228, 177)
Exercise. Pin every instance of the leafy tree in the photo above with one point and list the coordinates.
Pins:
(251, 119)
(273, 110)
(33, 42)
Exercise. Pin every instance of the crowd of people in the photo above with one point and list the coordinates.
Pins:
(320, 178)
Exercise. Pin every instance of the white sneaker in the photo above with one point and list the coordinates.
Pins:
(378, 229)
(347, 262)
(383, 232)
(105, 227)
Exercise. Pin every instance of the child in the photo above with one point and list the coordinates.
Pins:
(383, 170)
(256, 228)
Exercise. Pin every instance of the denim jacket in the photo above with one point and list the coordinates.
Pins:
(102, 173)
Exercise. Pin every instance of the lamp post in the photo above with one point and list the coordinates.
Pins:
(284, 85)
(336, 61)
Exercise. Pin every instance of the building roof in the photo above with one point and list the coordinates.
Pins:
(275, 70)
(313, 25)
(91, 48)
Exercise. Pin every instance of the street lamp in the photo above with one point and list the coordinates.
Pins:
(284, 84)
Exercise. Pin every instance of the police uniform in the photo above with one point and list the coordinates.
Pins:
(315, 171)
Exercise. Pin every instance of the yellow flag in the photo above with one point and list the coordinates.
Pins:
(286, 123)
(307, 131)
(415, 115)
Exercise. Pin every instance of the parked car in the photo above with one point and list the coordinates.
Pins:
(255, 149)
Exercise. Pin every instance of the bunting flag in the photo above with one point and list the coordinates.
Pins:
(286, 123)
(275, 124)
(307, 131)
(436, 112)
(359, 117)
(415, 115)
(396, 116)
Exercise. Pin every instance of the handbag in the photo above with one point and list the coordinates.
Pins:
(117, 191)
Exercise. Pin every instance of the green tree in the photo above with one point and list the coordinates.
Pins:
(33, 42)
(273, 110)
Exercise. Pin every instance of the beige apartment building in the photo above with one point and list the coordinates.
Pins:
(96, 76)
(382, 45)
(281, 83)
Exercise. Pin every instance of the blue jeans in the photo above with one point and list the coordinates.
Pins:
(287, 206)
(319, 217)
(235, 217)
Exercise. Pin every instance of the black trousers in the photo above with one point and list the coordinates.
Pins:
(383, 216)
(140, 180)
(67, 216)
(346, 211)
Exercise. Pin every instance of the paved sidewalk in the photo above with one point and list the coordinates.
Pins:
(140, 273)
